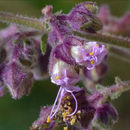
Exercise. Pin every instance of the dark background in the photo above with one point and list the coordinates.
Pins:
(19, 114)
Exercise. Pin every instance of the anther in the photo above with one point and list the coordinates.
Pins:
(68, 103)
(72, 121)
(78, 112)
(65, 128)
(57, 77)
(91, 53)
(48, 120)
(64, 114)
(96, 45)
(68, 97)
(92, 62)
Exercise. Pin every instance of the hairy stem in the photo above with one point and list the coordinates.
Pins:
(106, 38)
(112, 92)
(118, 88)
(39, 25)
(21, 20)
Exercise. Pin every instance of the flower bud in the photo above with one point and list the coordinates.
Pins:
(47, 10)
(82, 17)
(106, 115)
(104, 14)
(18, 80)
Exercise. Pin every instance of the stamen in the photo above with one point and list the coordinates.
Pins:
(61, 95)
(76, 103)
(48, 120)
(65, 128)
(91, 53)
(68, 103)
(64, 114)
(50, 116)
(73, 121)
(92, 62)
(96, 45)
(68, 97)
(78, 112)
(57, 77)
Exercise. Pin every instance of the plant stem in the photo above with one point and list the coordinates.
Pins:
(106, 38)
(118, 88)
(39, 25)
(21, 20)
(112, 92)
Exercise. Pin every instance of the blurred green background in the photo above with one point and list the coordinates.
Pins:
(20, 114)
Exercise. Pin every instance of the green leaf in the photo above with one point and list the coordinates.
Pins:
(44, 43)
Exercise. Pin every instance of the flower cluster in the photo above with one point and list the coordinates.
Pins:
(77, 111)
(21, 60)
(69, 57)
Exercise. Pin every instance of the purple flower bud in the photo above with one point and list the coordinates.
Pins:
(83, 15)
(90, 54)
(123, 26)
(104, 14)
(47, 11)
(106, 115)
(18, 80)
